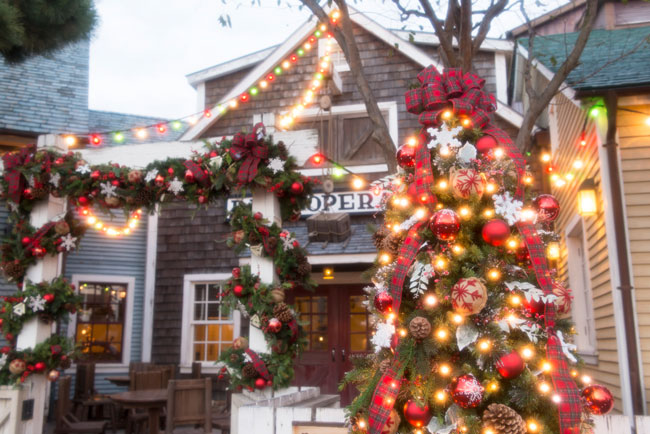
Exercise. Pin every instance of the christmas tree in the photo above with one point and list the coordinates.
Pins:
(471, 329)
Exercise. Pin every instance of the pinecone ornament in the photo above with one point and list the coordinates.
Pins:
(304, 268)
(144, 197)
(379, 236)
(420, 328)
(282, 312)
(234, 357)
(40, 192)
(391, 244)
(14, 270)
(61, 227)
(503, 420)
(249, 371)
(384, 365)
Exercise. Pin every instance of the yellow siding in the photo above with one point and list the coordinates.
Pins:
(634, 140)
(570, 120)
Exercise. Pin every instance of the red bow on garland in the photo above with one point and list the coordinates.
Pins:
(462, 93)
(200, 176)
(252, 149)
(259, 364)
(12, 163)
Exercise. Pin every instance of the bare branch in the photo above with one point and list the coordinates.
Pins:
(494, 10)
(445, 35)
(407, 13)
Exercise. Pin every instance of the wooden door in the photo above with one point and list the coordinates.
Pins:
(337, 326)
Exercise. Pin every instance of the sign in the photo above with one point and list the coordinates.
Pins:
(351, 202)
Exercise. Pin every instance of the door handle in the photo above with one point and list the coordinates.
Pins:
(343, 355)
(333, 354)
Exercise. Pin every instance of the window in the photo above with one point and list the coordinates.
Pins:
(580, 284)
(313, 313)
(102, 325)
(207, 331)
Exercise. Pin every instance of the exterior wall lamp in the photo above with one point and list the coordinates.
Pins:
(587, 203)
(328, 273)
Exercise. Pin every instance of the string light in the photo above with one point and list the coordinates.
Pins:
(444, 370)
(92, 220)
(430, 300)
(586, 379)
(546, 157)
(493, 386)
(499, 153)
(533, 426)
(527, 353)
(578, 164)
(358, 183)
(442, 185)
(515, 300)
(457, 249)
(440, 263)
(544, 387)
(494, 274)
(488, 213)
(553, 251)
(440, 395)
(464, 212)
(484, 345)
(490, 187)
(546, 366)
(447, 114)
(70, 140)
(420, 213)
(457, 319)
(442, 334)
(512, 243)
(384, 258)
(556, 398)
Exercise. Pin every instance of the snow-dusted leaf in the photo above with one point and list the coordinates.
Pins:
(466, 334)
(420, 278)
(567, 348)
(436, 427)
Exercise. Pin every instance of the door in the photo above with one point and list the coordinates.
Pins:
(336, 323)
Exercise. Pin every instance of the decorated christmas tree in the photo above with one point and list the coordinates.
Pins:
(471, 328)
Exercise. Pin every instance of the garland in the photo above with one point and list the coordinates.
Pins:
(25, 245)
(277, 320)
(47, 301)
(49, 356)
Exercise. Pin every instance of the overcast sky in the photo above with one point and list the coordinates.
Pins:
(143, 49)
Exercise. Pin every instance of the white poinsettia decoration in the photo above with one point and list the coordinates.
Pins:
(36, 303)
(176, 186)
(216, 162)
(533, 331)
(55, 179)
(83, 169)
(31, 181)
(444, 136)
(507, 207)
(19, 309)
(68, 242)
(408, 223)
(108, 189)
(531, 292)
(419, 282)
(276, 165)
(567, 348)
(3, 360)
(383, 335)
(151, 175)
(467, 153)
(466, 334)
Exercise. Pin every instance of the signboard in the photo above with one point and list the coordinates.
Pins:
(351, 202)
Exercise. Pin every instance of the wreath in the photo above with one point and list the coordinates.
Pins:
(48, 357)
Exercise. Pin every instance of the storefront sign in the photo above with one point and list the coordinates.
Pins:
(351, 202)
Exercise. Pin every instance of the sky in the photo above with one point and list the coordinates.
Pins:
(142, 50)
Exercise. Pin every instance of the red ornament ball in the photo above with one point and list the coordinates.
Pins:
(485, 144)
(417, 415)
(547, 207)
(496, 232)
(189, 176)
(510, 365)
(236, 272)
(384, 302)
(466, 391)
(238, 290)
(49, 298)
(53, 375)
(535, 307)
(598, 399)
(26, 241)
(274, 325)
(40, 366)
(297, 188)
(260, 383)
(83, 201)
(445, 225)
(159, 180)
(406, 156)
(258, 216)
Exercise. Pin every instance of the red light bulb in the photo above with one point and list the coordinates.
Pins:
(270, 77)
(161, 128)
(96, 139)
(207, 113)
(293, 58)
(243, 97)
(317, 158)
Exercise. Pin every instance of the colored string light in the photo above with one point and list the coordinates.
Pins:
(93, 221)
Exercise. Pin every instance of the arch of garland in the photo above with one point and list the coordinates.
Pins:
(35, 178)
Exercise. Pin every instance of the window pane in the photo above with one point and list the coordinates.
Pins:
(199, 352)
(213, 311)
(318, 342)
(227, 332)
(213, 332)
(199, 312)
(213, 352)
(356, 304)
(302, 304)
(358, 342)
(319, 323)
(199, 332)
(199, 293)
(216, 331)
(319, 305)
(358, 323)
(213, 292)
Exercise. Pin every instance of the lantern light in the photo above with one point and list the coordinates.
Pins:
(553, 251)
(328, 273)
(587, 204)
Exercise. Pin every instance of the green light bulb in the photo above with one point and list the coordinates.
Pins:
(118, 137)
(253, 91)
(594, 112)
(337, 172)
(177, 125)
(317, 33)
(300, 52)
(278, 70)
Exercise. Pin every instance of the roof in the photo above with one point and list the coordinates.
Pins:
(549, 16)
(612, 59)
(103, 121)
(46, 94)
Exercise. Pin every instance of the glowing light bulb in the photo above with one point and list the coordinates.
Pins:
(528, 179)
(533, 426)
(484, 345)
(420, 213)
(447, 114)
(544, 387)
(264, 84)
(556, 398)
(442, 185)
(490, 187)
(515, 300)
(527, 353)
(286, 64)
(162, 128)
(560, 183)
(402, 332)
(494, 274)
(384, 258)
(499, 153)
(578, 164)
(361, 424)
(545, 157)
(488, 431)
(457, 249)
(404, 202)
(466, 122)
(91, 220)
(488, 213)
(358, 183)
(440, 263)
(444, 370)
(457, 319)
(118, 137)
(99, 225)
(430, 300)
(445, 151)
(141, 133)
(546, 366)
(586, 379)
(442, 334)
(512, 243)
(70, 140)
(493, 386)
(96, 139)
(528, 214)
(464, 212)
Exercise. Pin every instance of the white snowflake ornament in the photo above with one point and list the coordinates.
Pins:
(36, 303)
(108, 189)
(383, 335)
(83, 169)
(55, 179)
(507, 207)
(276, 165)
(444, 136)
(176, 186)
(466, 154)
(68, 242)
(151, 175)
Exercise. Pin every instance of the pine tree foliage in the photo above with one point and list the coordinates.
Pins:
(39, 27)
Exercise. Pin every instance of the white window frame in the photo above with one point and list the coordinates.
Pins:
(579, 274)
(189, 280)
(337, 57)
(128, 318)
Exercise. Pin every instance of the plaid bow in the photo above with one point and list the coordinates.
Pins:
(200, 176)
(259, 364)
(252, 149)
(12, 163)
(450, 90)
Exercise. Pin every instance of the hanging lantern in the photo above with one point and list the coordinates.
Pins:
(587, 205)
(328, 273)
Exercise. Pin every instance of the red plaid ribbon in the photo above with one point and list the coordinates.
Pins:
(12, 163)
(259, 364)
(450, 90)
(252, 149)
(200, 176)
(39, 234)
(293, 326)
(462, 93)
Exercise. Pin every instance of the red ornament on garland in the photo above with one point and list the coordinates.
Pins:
(40, 366)
(189, 176)
(274, 325)
(260, 383)
(445, 225)
(466, 391)
(17, 366)
(563, 300)
(547, 207)
(236, 272)
(535, 307)
(297, 188)
(83, 201)
(416, 415)
(53, 375)
(406, 156)
(159, 180)
(38, 251)
(26, 241)
(384, 302)
(598, 399)
(485, 144)
(495, 232)
(510, 365)
(238, 290)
